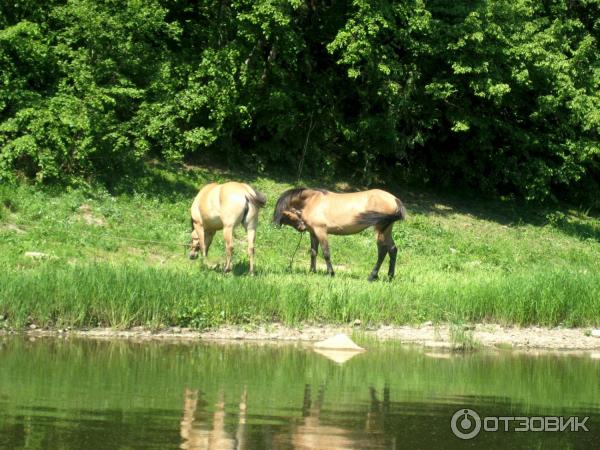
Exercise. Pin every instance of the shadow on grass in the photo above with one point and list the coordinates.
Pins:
(181, 182)
(510, 213)
(157, 180)
(579, 230)
(239, 269)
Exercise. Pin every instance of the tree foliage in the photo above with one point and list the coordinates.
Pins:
(499, 94)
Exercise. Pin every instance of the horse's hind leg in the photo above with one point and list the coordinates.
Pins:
(385, 245)
(251, 232)
(382, 250)
(321, 236)
(228, 237)
(251, 239)
(250, 223)
(392, 250)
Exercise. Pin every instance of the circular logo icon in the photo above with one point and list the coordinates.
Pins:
(465, 424)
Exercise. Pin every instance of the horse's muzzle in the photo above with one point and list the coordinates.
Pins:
(193, 255)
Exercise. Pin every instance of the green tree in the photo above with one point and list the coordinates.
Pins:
(501, 95)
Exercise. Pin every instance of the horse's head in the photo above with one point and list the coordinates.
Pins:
(293, 218)
(194, 245)
(288, 210)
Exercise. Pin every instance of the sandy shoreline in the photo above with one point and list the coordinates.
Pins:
(427, 335)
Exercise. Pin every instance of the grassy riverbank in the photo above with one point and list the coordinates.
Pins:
(459, 260)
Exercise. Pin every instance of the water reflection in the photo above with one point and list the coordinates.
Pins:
(311, 432)
(315, 432)
(201, 430)
(196, 431)
(76, 394)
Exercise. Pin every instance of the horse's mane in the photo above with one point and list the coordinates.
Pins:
(284, 201)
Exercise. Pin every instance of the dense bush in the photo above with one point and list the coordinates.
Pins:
(503, 95)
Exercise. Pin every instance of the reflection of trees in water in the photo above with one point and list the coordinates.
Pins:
(310, 431)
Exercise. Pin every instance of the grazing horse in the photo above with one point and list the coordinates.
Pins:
(323, 212)
(223, 207)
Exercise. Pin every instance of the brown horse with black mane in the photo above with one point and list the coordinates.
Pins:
(323, 212)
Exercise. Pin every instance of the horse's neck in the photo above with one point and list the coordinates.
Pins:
(305, 197)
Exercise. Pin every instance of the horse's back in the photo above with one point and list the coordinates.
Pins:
(235, 188)
(380, 199)
(372, 199)
(344, 213)
(234, 195)
(228, 204)
(335, 212)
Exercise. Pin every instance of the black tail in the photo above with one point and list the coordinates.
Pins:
(258, 199)
(381, 220)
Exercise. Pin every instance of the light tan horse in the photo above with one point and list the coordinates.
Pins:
(223, 207)
(323, 212)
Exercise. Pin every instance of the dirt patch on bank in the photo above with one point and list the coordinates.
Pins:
(87, 215)
(428, 335)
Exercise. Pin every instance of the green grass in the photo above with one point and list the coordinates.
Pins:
(462, 338)
(460, 260)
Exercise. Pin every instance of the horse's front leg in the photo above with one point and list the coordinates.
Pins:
(208, 238)
(322, 238)
(314, 248)
(198, 236)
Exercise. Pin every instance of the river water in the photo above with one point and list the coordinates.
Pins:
(88, 394)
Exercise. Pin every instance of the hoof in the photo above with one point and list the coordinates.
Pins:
(373, 278)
